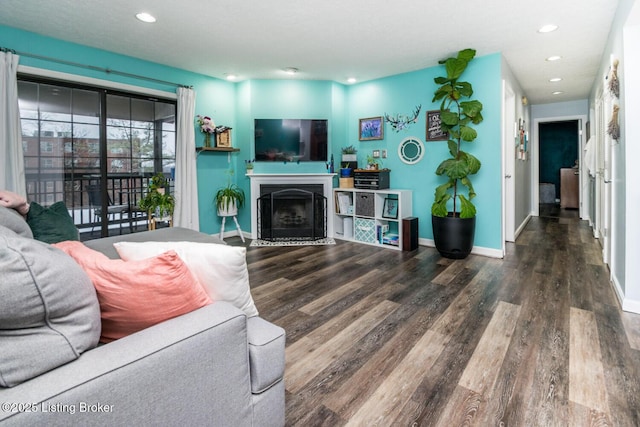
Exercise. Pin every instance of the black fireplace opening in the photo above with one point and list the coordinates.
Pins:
(292, 212)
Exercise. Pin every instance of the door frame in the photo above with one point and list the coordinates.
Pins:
(508, 164)
(535, 155)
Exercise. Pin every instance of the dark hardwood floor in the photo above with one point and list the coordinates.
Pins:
(379, 337)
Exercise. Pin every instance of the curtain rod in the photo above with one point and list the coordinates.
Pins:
(94, 68)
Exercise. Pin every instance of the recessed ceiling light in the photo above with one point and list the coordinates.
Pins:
(547, 28)
(555, 79)
(291, 70)
(558, 92)
(145, 17)
(554, 58)
(351, 80)
(230, 76)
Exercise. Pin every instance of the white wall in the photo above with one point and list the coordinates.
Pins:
(519, 170)
(630, 80)
(560, 109)
(625, 229)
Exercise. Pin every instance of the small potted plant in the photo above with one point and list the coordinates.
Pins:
(229, 199)
(249, 166)
(158, 204)
(346, 170)
(349, 153)
(372, 163)
(158, 183)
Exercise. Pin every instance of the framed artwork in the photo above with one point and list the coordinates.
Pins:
(371, 128)
(223, 139)
(390, 208)
(434, 129)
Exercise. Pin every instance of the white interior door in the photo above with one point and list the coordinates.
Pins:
(508, 151)
(608, 192)
(603, 178)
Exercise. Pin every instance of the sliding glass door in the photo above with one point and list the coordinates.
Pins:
(95, 150)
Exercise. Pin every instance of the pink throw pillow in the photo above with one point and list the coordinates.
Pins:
(134, 295)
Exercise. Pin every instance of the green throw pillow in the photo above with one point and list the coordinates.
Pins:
(52, 224)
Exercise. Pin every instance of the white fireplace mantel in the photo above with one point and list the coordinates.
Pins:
(258, 179)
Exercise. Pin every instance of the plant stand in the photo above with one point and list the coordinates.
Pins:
(153, 221)
(230, 211)
(235, 219)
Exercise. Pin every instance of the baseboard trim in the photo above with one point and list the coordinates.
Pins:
(476, 250)
(626, 304)
(522, 226)
(631, 306)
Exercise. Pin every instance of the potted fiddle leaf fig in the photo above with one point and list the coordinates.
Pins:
(453, 214)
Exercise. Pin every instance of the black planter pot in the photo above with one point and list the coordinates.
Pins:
(453, 236)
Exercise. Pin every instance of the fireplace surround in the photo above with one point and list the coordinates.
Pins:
(287, 183)
(288, 211)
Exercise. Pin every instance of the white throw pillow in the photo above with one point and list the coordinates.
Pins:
(221, 269)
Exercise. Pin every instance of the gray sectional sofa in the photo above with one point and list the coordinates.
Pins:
(210, 367)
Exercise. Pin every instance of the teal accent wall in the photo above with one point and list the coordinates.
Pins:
(287, 99)
(238, 104)
(215, 97)
(401, 94)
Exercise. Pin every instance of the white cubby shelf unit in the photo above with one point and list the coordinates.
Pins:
(372, 217)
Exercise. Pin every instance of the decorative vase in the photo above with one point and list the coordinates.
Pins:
(249, 171)
(207, 140)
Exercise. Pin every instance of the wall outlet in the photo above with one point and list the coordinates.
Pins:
(384, 154)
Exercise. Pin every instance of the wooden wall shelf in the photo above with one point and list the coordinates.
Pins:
(217, 149)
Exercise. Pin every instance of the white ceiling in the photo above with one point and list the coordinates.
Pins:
(336, 39)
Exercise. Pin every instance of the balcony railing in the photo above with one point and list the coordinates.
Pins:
(122, 189)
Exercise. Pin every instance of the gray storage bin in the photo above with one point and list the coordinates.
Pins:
(365, 204)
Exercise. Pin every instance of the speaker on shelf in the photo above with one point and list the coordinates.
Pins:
(410, 233)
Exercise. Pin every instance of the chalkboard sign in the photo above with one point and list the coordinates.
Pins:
(434, 131)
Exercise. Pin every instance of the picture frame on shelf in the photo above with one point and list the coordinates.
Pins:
(390, 208)
(371, 128)
(223, 139)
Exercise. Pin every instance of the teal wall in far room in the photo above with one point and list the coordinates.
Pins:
(238, 104)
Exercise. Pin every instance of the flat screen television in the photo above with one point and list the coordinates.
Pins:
(291, 140)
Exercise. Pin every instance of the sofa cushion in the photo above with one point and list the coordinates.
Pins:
(11, 219)
(221, 269)
(138, 294)
(166, 234)
(52, 224)
(49, 312)
(266, 353)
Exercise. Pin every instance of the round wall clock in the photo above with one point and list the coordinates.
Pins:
(411, 150)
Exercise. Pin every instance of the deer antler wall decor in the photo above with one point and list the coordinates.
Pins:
(402, 121)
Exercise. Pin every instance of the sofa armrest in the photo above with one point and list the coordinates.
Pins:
(266, 353)
(191, 367)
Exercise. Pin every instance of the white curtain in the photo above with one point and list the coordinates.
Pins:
(185, 213)
(12, 176)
